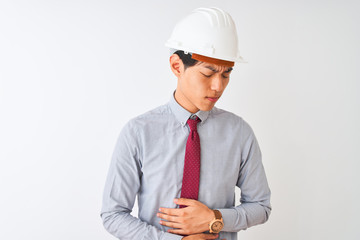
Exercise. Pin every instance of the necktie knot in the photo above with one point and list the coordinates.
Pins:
(193, 123)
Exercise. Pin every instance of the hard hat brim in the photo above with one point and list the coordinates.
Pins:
(212, 60)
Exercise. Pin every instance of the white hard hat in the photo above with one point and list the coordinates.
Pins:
(209, 32)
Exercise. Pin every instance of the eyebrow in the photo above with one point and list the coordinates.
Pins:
(214, 70)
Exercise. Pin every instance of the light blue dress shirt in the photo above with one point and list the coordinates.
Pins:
(148, 162)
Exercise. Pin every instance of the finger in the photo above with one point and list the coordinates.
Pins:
(202, 236)
(171, 224)
(168, 217)
(178, 231)
(209, 236)
(185, 201)
(172, 211)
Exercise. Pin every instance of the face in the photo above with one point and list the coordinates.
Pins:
(200, 86)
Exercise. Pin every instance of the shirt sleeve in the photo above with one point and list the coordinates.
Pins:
(254, 205)
(121, 187)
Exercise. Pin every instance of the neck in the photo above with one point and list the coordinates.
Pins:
(182, 100)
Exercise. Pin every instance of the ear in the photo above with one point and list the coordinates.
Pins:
(176, 65)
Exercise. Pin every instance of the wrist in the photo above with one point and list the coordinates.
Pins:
(217, 224)
(211, 215)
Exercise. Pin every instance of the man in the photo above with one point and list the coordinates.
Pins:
(184, 159)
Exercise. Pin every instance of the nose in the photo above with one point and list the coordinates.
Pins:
(217, 83)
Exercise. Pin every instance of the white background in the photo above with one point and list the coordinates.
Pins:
(72, 73)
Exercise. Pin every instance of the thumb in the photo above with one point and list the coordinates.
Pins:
(184, 201)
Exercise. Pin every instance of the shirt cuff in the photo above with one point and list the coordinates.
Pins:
(229, 217)
(170, 236)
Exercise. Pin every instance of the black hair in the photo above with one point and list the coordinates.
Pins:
(186, 59)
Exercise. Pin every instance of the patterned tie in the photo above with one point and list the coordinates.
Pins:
(191, 177)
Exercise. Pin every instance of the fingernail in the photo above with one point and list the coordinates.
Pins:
(175, 200)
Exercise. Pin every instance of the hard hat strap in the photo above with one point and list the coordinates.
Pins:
(212, 60)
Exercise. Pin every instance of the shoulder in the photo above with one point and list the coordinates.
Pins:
(231, 119)
(219, 114)
(153, 116)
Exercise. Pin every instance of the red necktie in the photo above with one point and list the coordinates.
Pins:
(191, 176)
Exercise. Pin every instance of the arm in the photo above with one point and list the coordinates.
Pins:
(255, 205)
(121, 188)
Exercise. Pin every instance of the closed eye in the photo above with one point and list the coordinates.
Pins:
(206, 75)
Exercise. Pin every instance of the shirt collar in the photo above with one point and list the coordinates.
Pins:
(182, 115)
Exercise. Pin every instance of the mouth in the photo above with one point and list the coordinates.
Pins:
(212, 99)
